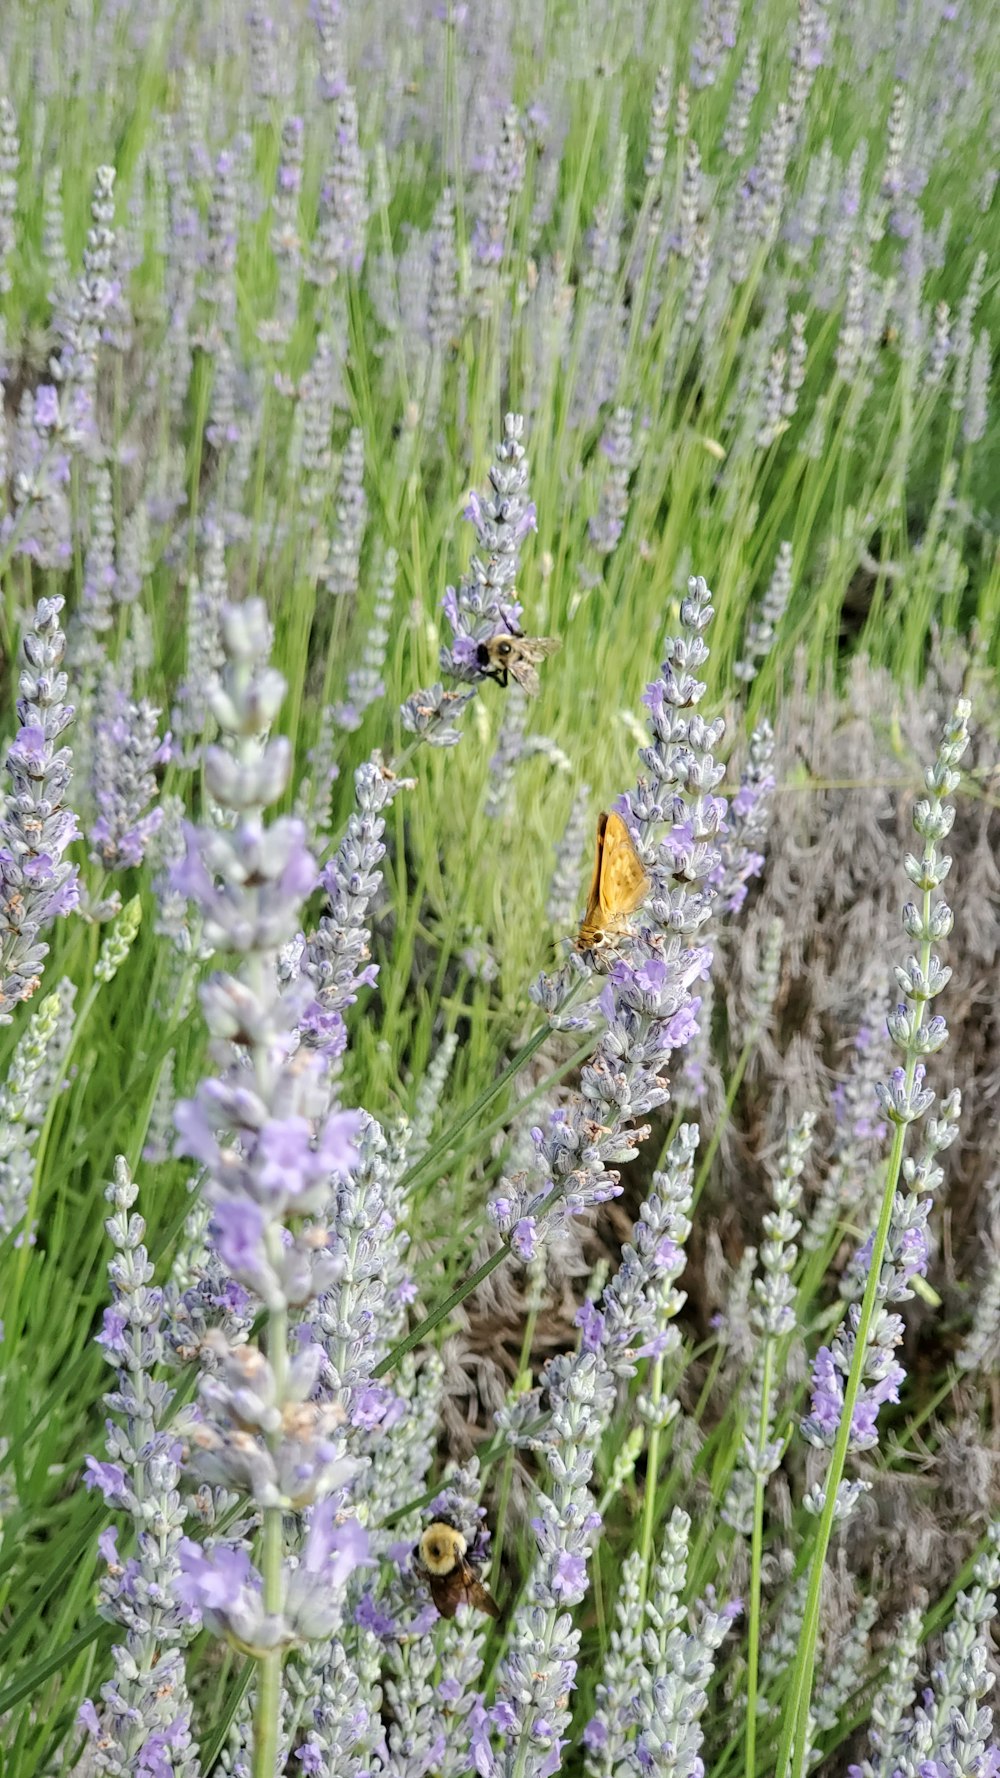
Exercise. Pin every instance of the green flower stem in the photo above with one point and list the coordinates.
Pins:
(652, 1474)
(267, 1709)
(454, 1297)
(795, 1729)
(795, 1732)
(429, 1160)
(756, 1557)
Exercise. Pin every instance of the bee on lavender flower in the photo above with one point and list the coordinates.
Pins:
(515, 656)
(441, 1560)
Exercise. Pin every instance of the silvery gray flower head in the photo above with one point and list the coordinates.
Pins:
(335, 958)
(904, 1099)
(430, 715)
(485, 601)
(350, 516)
(36, 884)
(32, 1079)
(146, 1706)
(127, 750)
(342, 222)
(288, 1453)
(283, 1146)
(606, 526)
(538, 1670)
(39, 524)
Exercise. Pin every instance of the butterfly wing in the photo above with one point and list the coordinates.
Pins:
(623, 883)
(590, 925)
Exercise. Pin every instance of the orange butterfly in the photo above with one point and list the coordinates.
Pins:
(620, 884)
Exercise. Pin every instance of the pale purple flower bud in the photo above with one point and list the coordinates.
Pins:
(342, 222)
(249, 783)
(127, 751)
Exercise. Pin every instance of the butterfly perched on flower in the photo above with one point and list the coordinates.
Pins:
(515, 656)
(619, 885)
(441, 1559)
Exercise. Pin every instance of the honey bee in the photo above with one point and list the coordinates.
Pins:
(440, 1560)
(500, 656)
(619, 885)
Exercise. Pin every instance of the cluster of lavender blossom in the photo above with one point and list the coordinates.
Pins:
(271, 1144)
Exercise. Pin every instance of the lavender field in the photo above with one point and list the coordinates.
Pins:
(459, 1316)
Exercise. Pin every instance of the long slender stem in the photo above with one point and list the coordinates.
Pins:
(795, 1732)
(794, 1745)
(267, 1709)
(429, 1160)
(756, 1557)
(458, 1295)
(652, 1473)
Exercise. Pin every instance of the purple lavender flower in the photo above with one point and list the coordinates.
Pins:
(649, 1005)
(649, 1009)
(36, 884)
(127, 749)
(274, 1145)
(343, 563)
(503, 181)
(335, 958)
(80, 323)
(145, 1708)
(901, 1251)
(342, 223)
(486, 602)
(33, 1078)
(747, 823)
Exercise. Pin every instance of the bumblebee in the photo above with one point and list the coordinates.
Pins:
(515, 656)
(441, 1560)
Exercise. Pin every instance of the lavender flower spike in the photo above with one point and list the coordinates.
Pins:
(127, 749)
(145, 1722)
(36, 884)
(273, 1151)
(850, 1384)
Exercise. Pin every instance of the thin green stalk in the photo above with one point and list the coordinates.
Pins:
(429, 1161)
(756, 1557)
(436, 1316)
(795, 1730)
(267, 1708)
(652, 1474)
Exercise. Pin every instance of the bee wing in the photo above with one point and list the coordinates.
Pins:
(523, 671)
(623, 880)
(478, 1596)
(538, 648)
